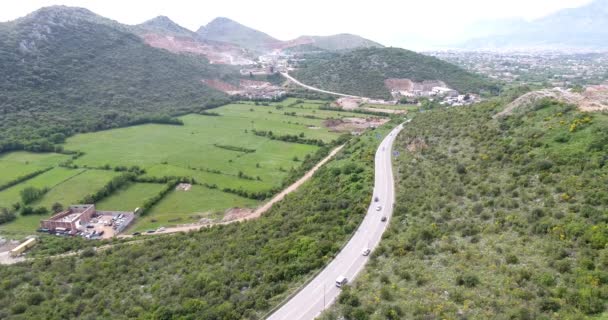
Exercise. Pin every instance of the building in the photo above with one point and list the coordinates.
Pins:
(70, 220)
(20, 249)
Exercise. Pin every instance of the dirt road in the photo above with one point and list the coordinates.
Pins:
(253, 213)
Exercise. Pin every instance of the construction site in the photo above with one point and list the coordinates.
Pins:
(85, 221)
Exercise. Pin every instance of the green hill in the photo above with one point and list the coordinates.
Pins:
(67, 70)
(494, 219)
(363, 71)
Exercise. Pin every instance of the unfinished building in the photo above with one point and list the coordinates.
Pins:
(71, 219)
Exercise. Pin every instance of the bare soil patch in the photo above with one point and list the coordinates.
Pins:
(220, 53)
(396, 84)
(221, 85)
(594, 98)
(417, 144)
(183, 187)
(356, 125)
(235, 214)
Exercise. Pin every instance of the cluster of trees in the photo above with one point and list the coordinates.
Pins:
(372, 113)
(234, 148)
(289, 138)
(241, 270)
(209, 113)
(514, 218)
(31, 194)
(7, 215)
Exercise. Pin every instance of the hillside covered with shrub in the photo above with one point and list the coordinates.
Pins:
(362, 72)
(236, 271)
(66, 70)
(501, 218)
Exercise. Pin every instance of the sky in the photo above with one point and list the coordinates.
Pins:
(400, 23)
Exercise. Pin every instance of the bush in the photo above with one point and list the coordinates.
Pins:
(467, 280)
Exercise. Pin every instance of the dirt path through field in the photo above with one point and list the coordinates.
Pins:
(246, 214)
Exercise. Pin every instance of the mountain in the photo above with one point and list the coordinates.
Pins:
(226, 30)
(338, 42)
(364, 72)
(229, 31)
(68, 70)
(582, 28)
(162, 32)
(164, 25)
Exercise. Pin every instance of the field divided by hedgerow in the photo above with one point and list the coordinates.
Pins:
(239, 153)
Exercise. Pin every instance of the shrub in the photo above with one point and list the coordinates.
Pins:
(467, 280)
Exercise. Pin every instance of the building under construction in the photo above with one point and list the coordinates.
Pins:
(70, 220)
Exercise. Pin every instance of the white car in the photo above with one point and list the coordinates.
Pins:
(342, 280)
(366, 252)
(378, 208)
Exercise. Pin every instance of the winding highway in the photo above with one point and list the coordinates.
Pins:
(321, 292)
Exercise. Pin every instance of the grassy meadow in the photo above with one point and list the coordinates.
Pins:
(180, 207)
(218, 149)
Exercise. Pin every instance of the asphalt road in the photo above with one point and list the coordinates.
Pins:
(321, 292)
(294, 80)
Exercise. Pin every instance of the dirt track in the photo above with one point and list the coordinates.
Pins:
(252, 213)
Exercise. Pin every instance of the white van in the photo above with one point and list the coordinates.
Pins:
(341, 281)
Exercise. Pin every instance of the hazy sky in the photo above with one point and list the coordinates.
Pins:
(402, 23)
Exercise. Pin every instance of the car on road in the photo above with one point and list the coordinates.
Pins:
(340, 281)
(366, 252)
(161, 229)
(378, 208)
(376, 199)
(136, 233)
(150, 231)
(383, 219)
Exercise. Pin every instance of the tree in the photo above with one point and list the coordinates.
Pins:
(6, 215)
(57, 207)
(31, 194)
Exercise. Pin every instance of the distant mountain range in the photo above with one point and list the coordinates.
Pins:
(584, 28)
(226, 30)
(226, 41)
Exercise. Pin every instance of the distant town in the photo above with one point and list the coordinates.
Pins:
(553, 69)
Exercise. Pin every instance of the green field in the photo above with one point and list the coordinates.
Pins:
(67, 186)
(49, 179)
(220, 151)
(180, 207)
(17, 164)
(130, 197)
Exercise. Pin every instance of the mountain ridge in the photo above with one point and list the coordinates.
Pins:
(582, 28)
